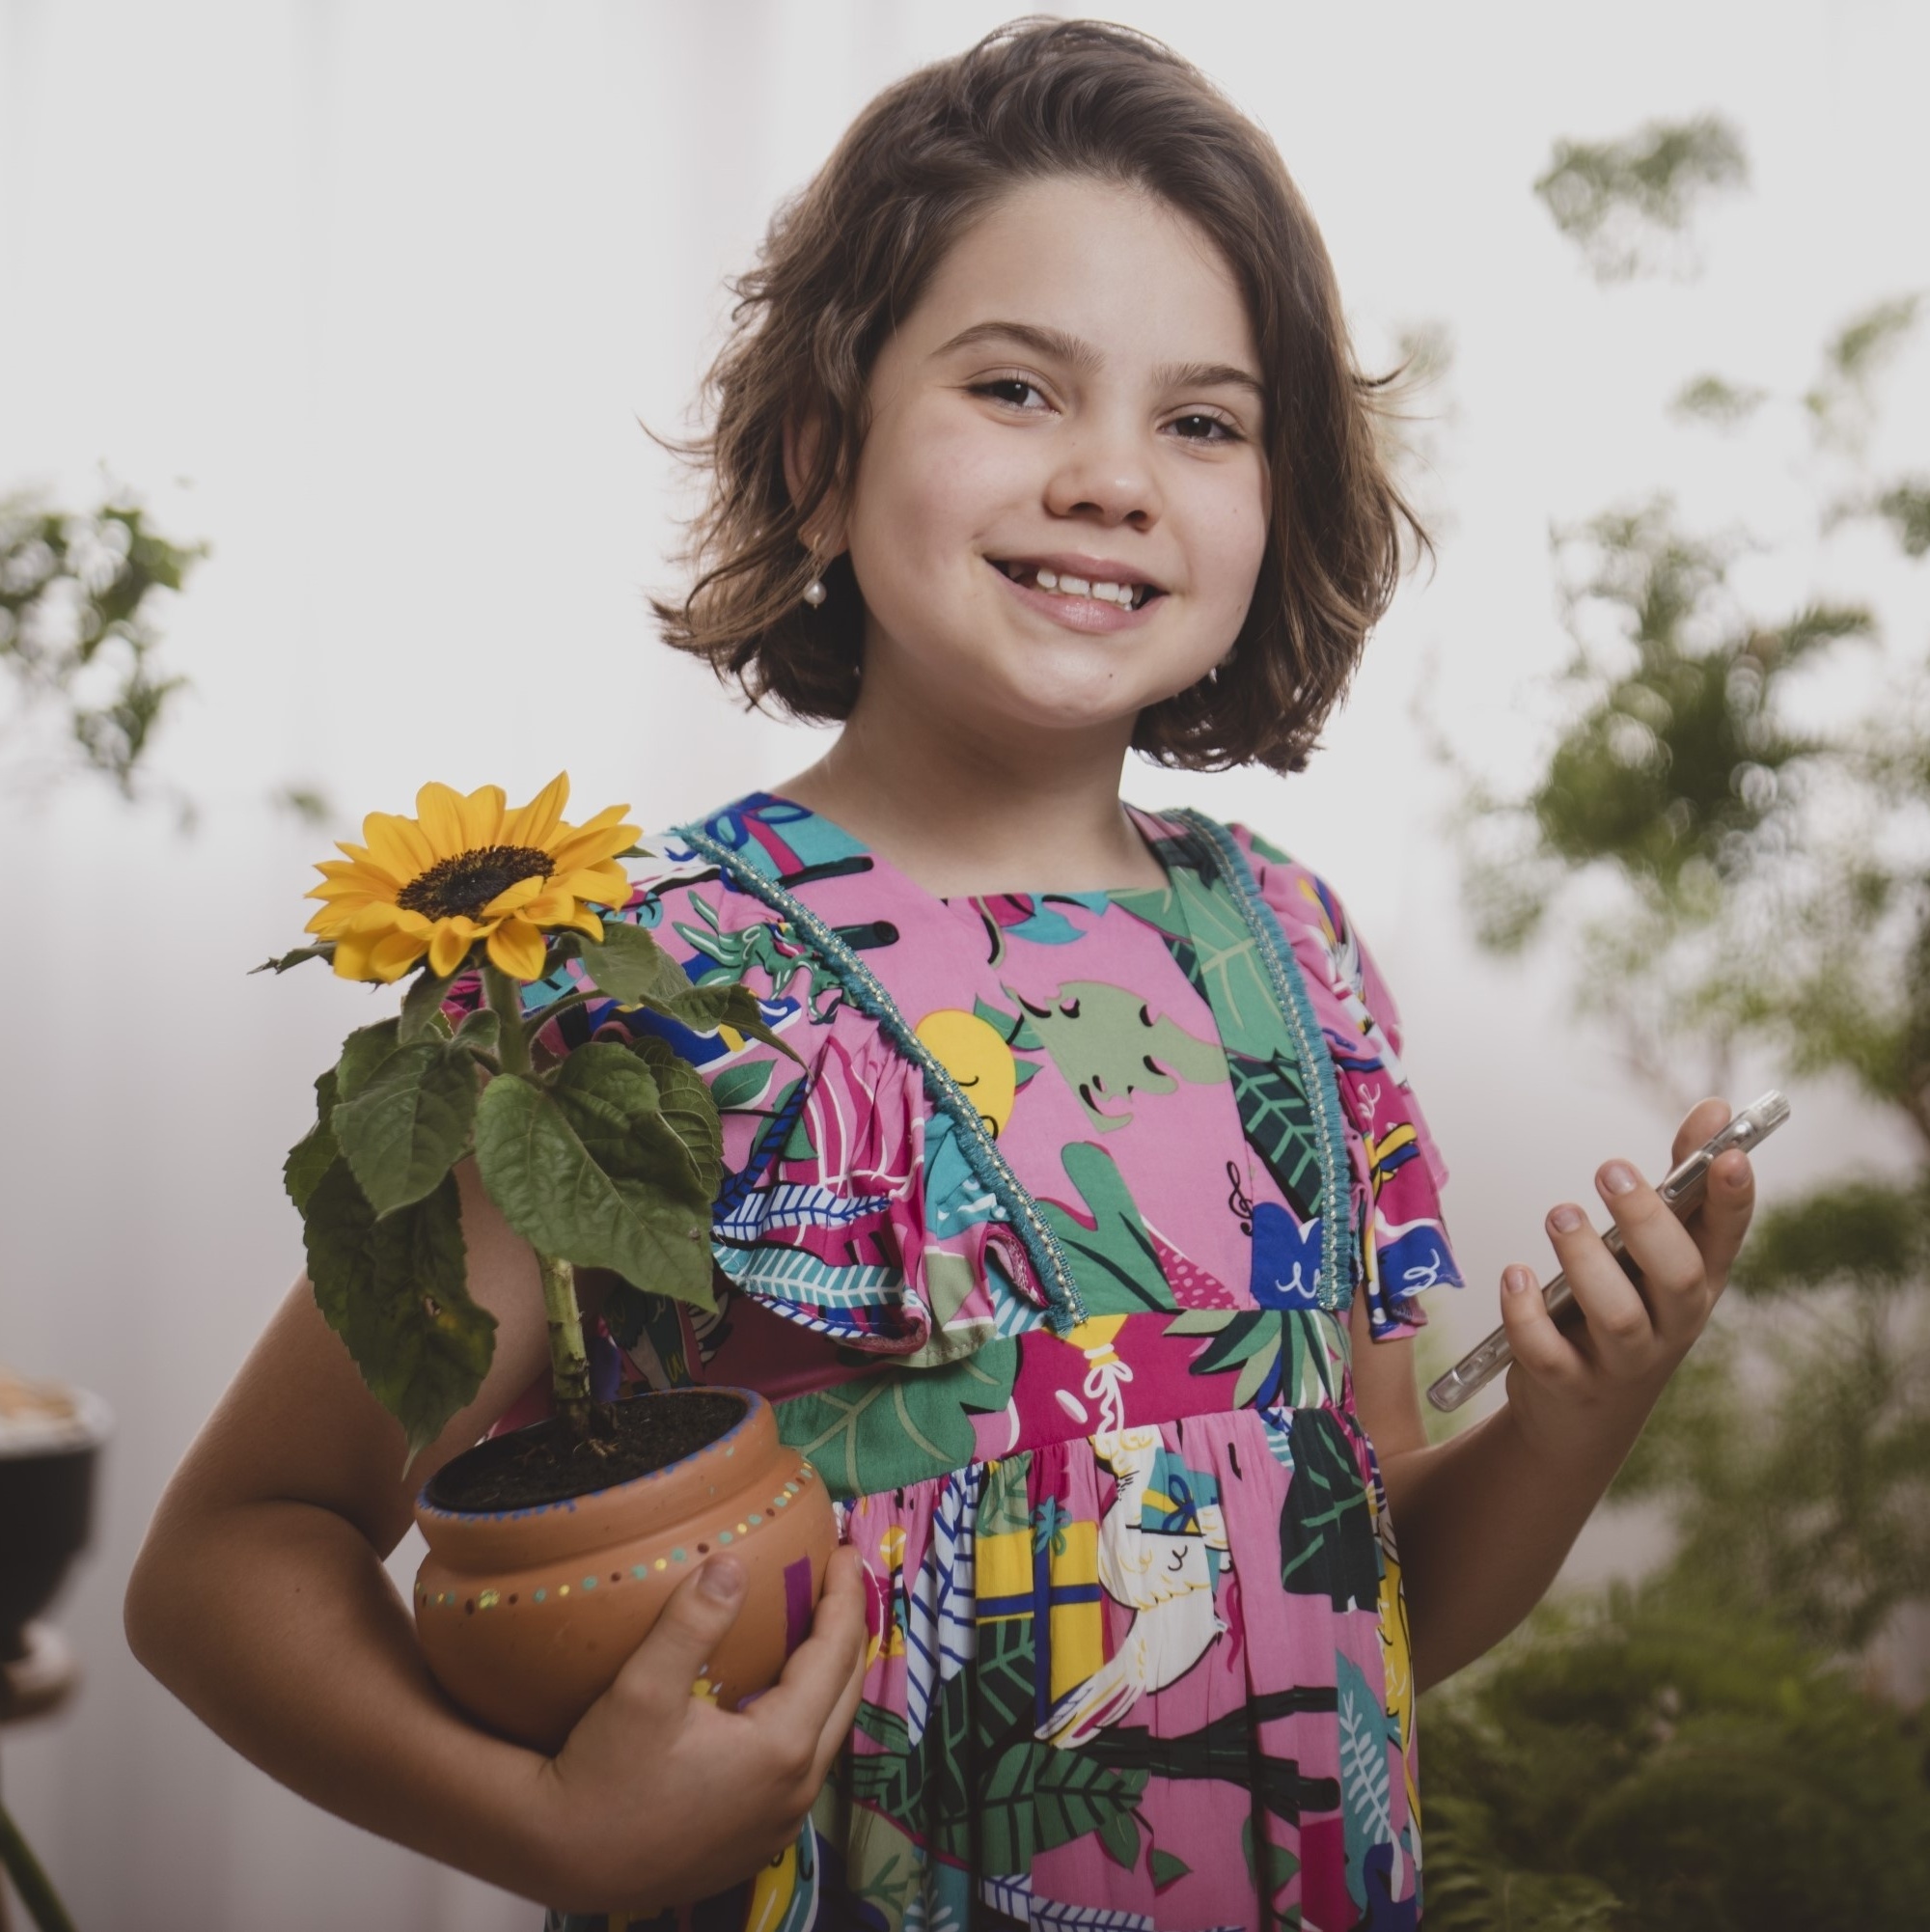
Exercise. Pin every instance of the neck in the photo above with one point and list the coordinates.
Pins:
(963, 808)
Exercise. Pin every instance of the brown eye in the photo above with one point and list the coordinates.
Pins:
(1000, 389)
(1227, 434)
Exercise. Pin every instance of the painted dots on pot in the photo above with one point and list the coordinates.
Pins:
(488, 1599)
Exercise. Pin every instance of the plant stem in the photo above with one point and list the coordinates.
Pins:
(35, 1889)
(568, 1364)
(508, 1004)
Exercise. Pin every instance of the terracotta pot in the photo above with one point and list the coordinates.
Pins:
(526, 1616)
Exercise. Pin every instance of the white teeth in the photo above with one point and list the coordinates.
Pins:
(1125, 595)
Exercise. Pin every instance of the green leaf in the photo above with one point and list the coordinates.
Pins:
(421, 1004)
(688, 1109)
(741, 1085)
(1255, 1370)
(482, 1029)
(316, 1153)
(1120, 1834)
(361, 1053)
(703, 1010)
(394, 1290)
(611, 1098)
(295, 958)
(1165, 1867)
(408, 1122)
(631, 967)
(555, 1195)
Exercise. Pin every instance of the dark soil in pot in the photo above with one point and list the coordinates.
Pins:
(547, 1462)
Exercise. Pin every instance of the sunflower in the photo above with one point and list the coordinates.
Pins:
(464, 869)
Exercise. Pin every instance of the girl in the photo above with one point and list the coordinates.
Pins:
(1082, 1256)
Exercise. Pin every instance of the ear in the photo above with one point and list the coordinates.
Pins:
(803, 437)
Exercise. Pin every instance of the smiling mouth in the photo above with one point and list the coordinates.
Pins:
(1039, 577)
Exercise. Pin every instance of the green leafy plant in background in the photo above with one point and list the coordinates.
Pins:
(1746, 871)
(78, 629)
(1638, 1765)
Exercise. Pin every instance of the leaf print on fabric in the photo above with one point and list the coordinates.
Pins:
(1112, 1257)
(941, 1629)
(884, 1429)
(1367, 1792)
(1327, 1545)
(1107, 1047)
(1225, 963)
(1278, 1120)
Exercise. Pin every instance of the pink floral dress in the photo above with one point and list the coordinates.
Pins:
(1044, 1257)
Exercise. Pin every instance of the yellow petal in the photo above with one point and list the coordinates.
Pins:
(602, 885)
(390, 957)
(371, 921)
(516, 948)
(361, 855)
(514, 898)
(439, 813)
(603, 838)
(329, 920)
(451, 939)
(535, 824)
(397, 844)
(483, 818)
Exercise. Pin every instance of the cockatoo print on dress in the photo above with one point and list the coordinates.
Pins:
(1162, 1545)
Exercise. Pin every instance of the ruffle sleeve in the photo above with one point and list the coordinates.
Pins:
(846, 1209)
(1397, 1169)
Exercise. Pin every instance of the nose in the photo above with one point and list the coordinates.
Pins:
(1105, 473)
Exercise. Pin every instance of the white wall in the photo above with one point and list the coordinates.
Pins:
(371, 296)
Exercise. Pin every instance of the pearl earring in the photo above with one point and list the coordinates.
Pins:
(814, 592)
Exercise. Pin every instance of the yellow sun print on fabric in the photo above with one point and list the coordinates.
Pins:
(971, 1052)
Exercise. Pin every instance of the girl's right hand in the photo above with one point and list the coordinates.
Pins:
(657, 1797)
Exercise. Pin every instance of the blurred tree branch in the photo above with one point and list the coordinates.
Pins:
(78, 632)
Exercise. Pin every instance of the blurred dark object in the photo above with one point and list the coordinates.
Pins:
(50, 1439)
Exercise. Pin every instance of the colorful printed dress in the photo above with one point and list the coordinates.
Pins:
(1064, 1329)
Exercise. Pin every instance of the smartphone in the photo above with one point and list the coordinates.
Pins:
(1681, 1191)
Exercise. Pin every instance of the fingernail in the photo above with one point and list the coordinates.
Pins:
(722, 1579)
(1565, 1219)
(1517, 1280)
(1618, 1177)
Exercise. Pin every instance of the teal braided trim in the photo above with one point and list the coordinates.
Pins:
(1337, 1254)
(867, 992)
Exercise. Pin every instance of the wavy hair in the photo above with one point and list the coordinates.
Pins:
(854, 250)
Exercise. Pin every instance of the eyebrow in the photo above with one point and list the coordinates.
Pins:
(1082, 355)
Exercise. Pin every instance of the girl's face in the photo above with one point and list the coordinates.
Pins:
(1078, 393)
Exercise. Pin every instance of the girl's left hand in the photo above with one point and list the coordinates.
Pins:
(1563, 1379)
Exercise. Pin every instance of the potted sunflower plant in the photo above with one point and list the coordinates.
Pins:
(551, 1548)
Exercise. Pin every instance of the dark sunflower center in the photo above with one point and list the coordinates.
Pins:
(462, 886)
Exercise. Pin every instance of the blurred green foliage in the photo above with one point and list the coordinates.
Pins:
(1732, 820)
(78, 633)
(1645, 1765)
(1619, 201)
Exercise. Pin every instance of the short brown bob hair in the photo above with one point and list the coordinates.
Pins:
(854, 250)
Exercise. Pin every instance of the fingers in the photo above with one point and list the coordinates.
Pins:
(820, 1675)
(1719, 1225)
(1538, 1346)
(657, 1677)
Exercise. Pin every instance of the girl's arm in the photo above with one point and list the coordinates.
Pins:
(260, 1599)
(1483, 1520)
